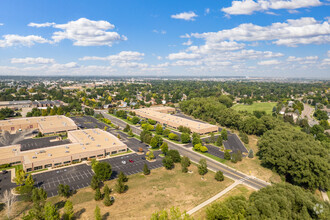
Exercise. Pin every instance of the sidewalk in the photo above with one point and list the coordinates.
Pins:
(212, 199)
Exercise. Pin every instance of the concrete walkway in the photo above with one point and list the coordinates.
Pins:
(325, 196)
(214, 198)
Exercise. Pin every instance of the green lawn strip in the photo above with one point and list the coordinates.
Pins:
(36, 171)
(212, 156)
(129, 151)
(17, 167)
(258, 106)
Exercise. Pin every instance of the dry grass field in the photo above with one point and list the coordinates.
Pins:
(162, 189)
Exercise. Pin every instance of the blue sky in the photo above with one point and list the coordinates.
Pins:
(273, 38)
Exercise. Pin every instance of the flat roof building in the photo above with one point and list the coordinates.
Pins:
(46, 124)
(159, 114)
(86, 144)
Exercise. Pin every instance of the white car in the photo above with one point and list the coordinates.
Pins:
(123, 162)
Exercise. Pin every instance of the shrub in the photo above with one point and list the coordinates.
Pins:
(146, 170)
(185, 138)
(168, 162)
(202, 167)
(173, 136)
(175, 155)
(250, 155)
(227, 155)
(219, 176)
(185, 163)
(166, 132)
(97, 195)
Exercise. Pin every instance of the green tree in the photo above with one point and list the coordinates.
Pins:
(227, 155)
(122, 176)
(146, 170)
(107, 201)
(159, 129)
(130, 133)
(174, 214)
(51, 212)
(173, 136)
(168, 162)
(164, 148)
(135, 120)
(185, 138)
(120, 187)
(106, 189)
(202, 167)
(127, 128)
(212, 138)
(19, 177)
(97, 213)
(175, 155)
(250, 155)
(102, 170)
(97, 195)
(166, 132)
(95, 182)
(29, 180)
(224, 134)
(219, 141)
(150, 155)
(196, 140)
(185, 163)
(219, 176)
(68, 211)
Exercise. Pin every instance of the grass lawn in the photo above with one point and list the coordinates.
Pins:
(162, 189)
(17, 167)
(240, 190)
(262, 106)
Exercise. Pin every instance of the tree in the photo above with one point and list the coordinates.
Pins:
(64, 190)
(166, 132)
(203, 149)
(175, 155)
(127, 128)
(68, 211)
(219, 141)
(120, 187)
(150, 155)
(97, 195)
(146, 170)
(202, 167)
(239, 155)
(164, 148)
(107, 201)
(122, 176)
(174, 214)
(212, 138)
(118, 136)
(159, 129)
(19, 177)
(185, 163)
(173, 136)
(168, 162)
(51, 212)
(185, 138)
(106, 189)
(97, 213)
(8, 199)
(95, 182)
(29, 180)
(154, 142)
(244, 137)
(102, 170)
(135, 120)
(130, 133)
(227, 155)
(224, 134)
(219, 176)
(250, 155)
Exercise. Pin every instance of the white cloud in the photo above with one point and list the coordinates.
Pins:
(268, 62)
(1, 24)
(159, 31)
(216, 46)
(10, 40)
(207, 11)
(188, 16)
(303, 60)
(290, 33)
(183, 56)
(85, 32)
(122, 56)
(32, 60)
(47, 24)
(247, 7)
(187, 43)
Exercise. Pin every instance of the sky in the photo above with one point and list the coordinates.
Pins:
(268, 38)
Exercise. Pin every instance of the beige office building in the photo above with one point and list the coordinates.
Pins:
(160, 115)
(46, 124)
(86, 144)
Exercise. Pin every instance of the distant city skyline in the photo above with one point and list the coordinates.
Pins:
(267, 38)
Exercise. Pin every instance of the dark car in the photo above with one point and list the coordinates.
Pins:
(4, 171)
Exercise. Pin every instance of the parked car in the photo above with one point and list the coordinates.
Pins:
(123, 162)
(4, 171)
(131, 161)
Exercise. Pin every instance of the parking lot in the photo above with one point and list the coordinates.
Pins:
(80, 176)
(87, 122)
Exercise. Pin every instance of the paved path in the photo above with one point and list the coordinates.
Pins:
(325, 196)
(308, 112)
(195, 157)
(217, 196)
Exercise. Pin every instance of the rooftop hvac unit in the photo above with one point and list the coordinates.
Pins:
(14, 149)
(67, 151)
(34, 157)
(67, 147)
(84, 148)
(98, 145)
(106, 139)
(42, 151)
(50, 155)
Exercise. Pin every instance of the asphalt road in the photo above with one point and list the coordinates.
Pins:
(195, 157)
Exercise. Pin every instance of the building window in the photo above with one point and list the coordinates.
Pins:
(66, 162)
(38, 168)
(29, 170)
(75, 161)
(92, 157)
(57, 164)
(107, 153)
(48, 165)
(83, 159)
(122, 150)
(101, 155)
(113, 152)
(12, 128)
